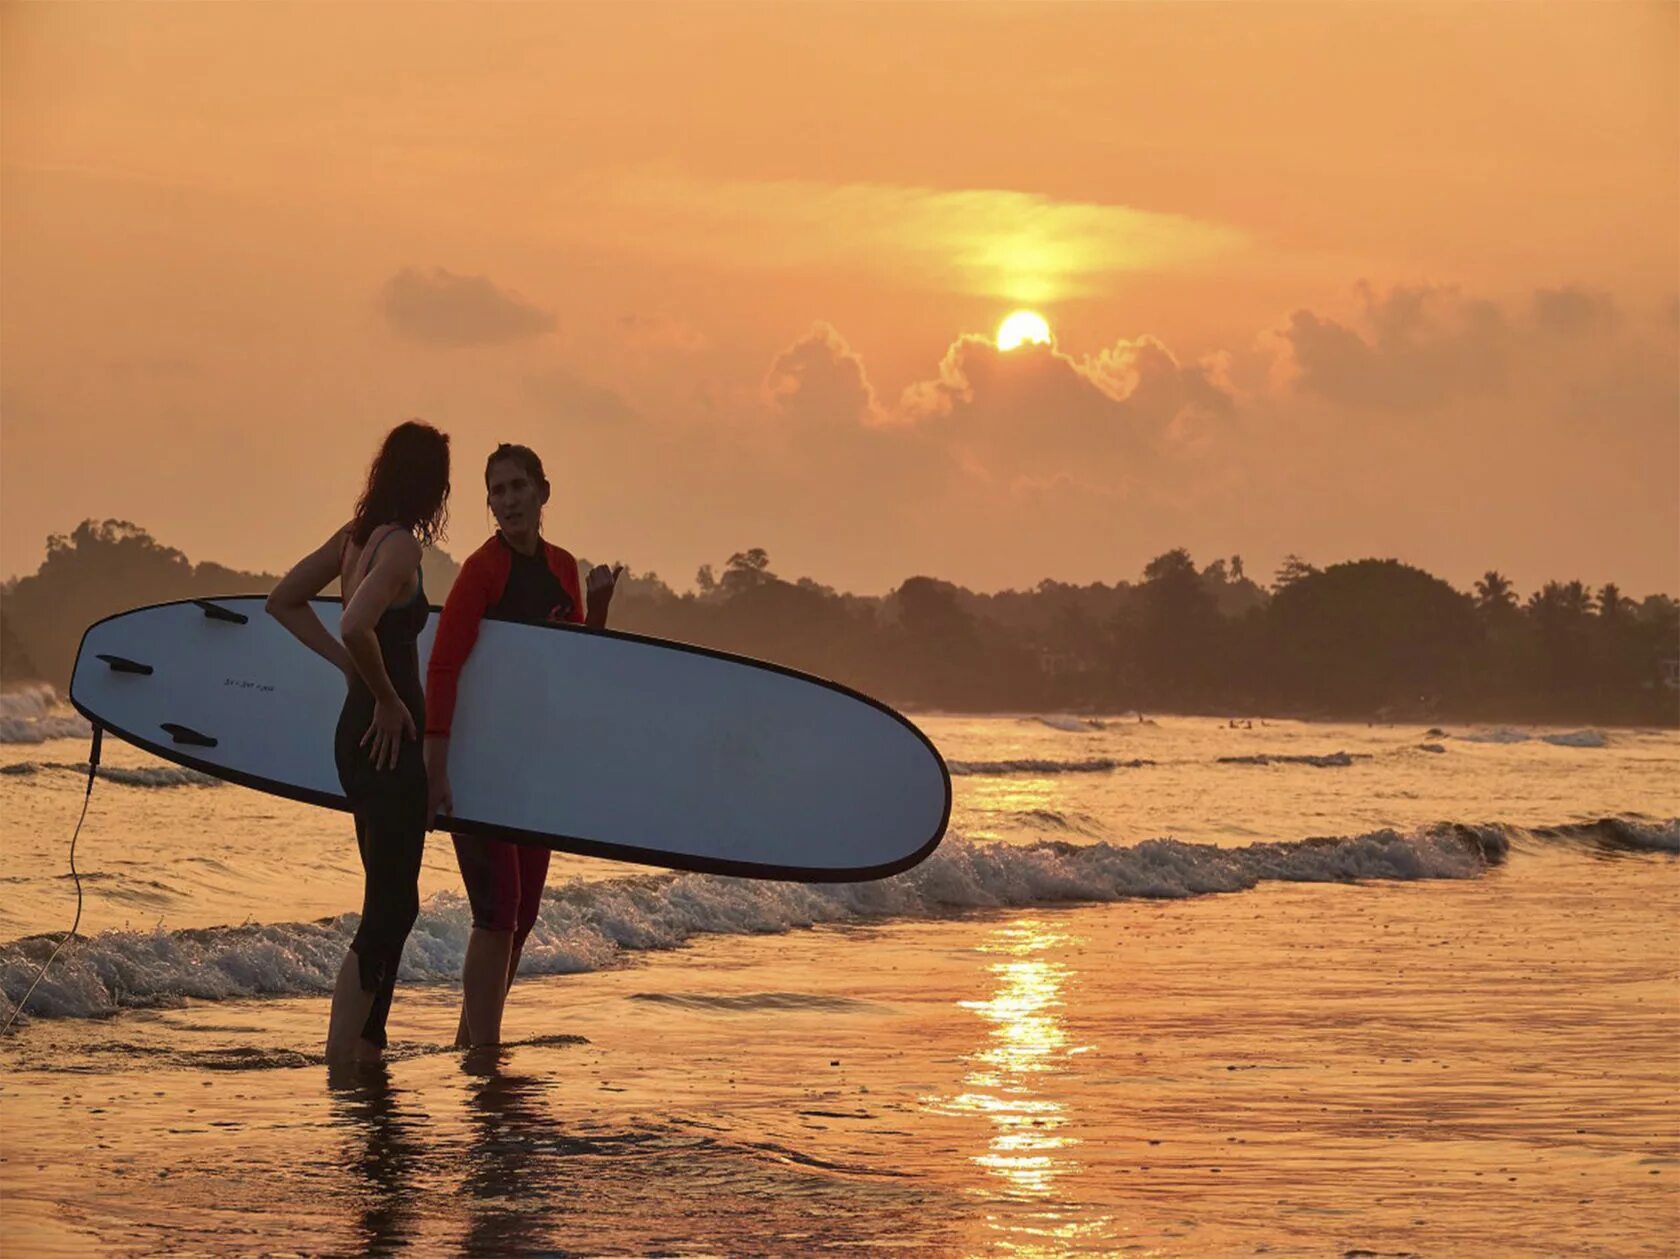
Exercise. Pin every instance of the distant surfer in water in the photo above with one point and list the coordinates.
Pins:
(515, 576)
(376, 558)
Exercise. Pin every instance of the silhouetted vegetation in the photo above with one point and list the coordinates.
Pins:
(1368, 639)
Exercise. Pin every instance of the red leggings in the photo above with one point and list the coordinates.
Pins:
(504, 883)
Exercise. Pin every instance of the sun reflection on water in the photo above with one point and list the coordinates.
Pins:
(1029, 1148)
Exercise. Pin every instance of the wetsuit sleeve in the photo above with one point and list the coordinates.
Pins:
(469, 599)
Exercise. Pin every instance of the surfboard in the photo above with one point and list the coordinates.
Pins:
(589, 741)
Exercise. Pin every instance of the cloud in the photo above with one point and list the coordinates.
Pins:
(444, 309)
(1017, 246)
(1034, 413)
(1423, 350)
(1419, 346)
(660, 332)
(819, 379)
(566, 397)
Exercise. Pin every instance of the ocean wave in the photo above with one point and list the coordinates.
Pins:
(1578, 739)
(1335, 760)
(587, 926)
(1094, 765)
(1055, 819)
(1562, 739)
(1619, 834)
(137, 776)
(34, 714)
(1072, 725)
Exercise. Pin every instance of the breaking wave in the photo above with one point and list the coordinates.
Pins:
(1094, 765)
(139, 776)
(1619, 834)
(1562, 739)
(1072, 725)
(586, 926)
(34, 714)
(1335, 760)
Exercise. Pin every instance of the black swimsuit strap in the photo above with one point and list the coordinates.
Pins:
(367, 563)
(367, 557)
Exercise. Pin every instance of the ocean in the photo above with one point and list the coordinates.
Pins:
(1171, 985)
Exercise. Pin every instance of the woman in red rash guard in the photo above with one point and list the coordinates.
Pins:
(515, 576)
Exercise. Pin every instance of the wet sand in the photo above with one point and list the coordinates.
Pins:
(1484, 1066)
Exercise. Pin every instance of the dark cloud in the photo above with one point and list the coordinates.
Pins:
(1418, 347)
(820, 379)
(441, 308)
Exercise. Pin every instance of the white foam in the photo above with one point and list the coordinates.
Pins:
(33, 714)
(587, 926)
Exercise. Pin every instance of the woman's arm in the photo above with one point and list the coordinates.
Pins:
(469, 599)
(289, 601)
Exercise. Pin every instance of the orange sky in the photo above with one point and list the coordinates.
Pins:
(1343, 281)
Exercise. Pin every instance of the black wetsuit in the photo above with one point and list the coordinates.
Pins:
(533, 594)
(389, 806)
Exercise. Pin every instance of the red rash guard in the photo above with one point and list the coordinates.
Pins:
(478, 588)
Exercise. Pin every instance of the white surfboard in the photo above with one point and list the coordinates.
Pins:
(587, 741)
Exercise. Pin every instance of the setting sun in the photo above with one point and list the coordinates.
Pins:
(1021, 327)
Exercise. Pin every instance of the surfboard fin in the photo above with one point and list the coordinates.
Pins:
(187, 735)
(122, 664)
(216, 612)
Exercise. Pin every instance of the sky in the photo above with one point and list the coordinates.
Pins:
(1340, 281)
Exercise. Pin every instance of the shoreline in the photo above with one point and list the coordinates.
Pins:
(1306, 1067)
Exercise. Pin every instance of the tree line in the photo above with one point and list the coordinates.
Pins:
(1368, 638)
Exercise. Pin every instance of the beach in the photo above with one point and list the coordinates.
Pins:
(1300, 989)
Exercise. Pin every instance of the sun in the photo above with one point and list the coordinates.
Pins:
(1022, 327)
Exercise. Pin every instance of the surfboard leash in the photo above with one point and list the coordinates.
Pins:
(87, 798)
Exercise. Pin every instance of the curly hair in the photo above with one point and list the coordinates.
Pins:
(407, 485)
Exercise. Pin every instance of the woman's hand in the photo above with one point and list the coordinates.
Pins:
(599, 587)
(440, 797)
(602, 580)
(391, 723)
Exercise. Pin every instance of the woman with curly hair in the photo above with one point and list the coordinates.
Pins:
(376, 558)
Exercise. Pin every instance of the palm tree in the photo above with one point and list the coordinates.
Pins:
(1494, 593)
(1561, 603)
(1577, 600)
(1613, 605)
